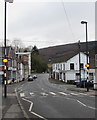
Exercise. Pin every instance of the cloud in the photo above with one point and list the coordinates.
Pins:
(49, 23)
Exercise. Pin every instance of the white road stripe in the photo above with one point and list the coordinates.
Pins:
(30, 108)
(81, 103)
(52, 93)
(91, 107)
(38, 115)
(31, 94)
(44, 94)
(73, 94)
(91, 96)
(22, 94)
(86, 105)
(31, 105)
(63, 93)
(82, 94)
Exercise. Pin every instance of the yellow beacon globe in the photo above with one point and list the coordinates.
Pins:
(5, 60)
(87, 65)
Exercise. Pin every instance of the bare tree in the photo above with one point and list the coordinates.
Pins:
(17, 45)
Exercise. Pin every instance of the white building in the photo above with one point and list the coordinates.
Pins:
(69, 70)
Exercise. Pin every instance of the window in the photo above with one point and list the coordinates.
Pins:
(81, 65)
(71, 66)
(63, 66)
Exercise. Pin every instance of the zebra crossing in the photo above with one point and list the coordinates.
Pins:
(51, 93)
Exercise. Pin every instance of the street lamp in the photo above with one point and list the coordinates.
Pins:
(84, 22)
(5, 51)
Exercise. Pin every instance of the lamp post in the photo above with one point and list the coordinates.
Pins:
(5, 51)
(84, 22)
(79, 61)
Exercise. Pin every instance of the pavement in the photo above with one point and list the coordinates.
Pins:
(11, 108)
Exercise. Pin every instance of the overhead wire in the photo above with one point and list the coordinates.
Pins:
(67, 19)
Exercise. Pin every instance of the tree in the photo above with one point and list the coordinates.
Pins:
(17, 44)
(38, 63)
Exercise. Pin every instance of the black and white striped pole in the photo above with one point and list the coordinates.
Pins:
(5, 60)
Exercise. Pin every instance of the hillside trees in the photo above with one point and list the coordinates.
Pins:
(38, 63)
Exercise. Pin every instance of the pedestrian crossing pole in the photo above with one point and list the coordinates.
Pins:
(5, 54)
(5, 60)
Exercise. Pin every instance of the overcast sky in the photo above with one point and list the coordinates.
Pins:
(48, 23)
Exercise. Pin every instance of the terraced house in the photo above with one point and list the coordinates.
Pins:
(12, 64)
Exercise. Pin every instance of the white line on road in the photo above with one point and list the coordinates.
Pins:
(86, 105)
(91, 107)
(82, 93)
(52, 93)
(44, 94)
(63, 93)
(32, 94)
(73, 94)
(30, 108)
(31, 105)
(22, 94)
(81, 103)
(38, 115)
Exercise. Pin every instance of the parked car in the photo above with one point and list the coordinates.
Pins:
(83, 83)
(30, 78)
(34, 76)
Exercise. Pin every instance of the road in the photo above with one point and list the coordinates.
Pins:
(42, 99)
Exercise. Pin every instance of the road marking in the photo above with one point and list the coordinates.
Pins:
(73, 94)
(25, 114)
(91, 96)
(44, 94)
(82, 94)
(38, 115)
(86, 105)
(63, 93)
(52, 93)
(31, 105)
(22, 94)
(91, 107)
(81, 103)
(30, 108)
(32, 94)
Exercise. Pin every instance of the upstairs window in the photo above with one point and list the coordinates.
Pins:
(71, 66)
(81, 65)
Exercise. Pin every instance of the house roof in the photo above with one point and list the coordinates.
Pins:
(9, 50)
(66, 57)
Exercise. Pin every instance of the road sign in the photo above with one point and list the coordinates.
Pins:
(5, 60)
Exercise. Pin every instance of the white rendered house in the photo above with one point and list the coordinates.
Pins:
(69, 70)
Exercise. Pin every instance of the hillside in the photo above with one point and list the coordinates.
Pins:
(62, 52)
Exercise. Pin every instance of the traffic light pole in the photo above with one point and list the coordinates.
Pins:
(87, 58)
(5, 54)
